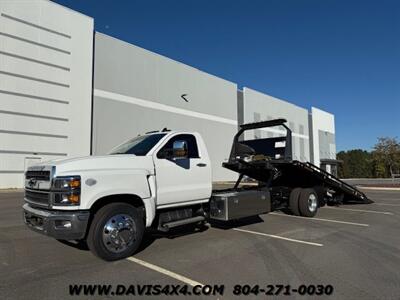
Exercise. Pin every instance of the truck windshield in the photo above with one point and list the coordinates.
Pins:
(139, 145)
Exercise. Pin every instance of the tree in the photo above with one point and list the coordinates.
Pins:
(382, 162)
(355, 164)
(386, 157)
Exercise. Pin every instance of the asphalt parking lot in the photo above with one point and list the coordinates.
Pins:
(354, 248)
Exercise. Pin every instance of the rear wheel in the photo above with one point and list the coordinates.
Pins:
(116, 231)
(308, 202)
(294, 201)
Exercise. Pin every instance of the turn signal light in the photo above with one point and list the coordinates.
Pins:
(66, 199)
(73, 199)
(75, 183)
(67, 182)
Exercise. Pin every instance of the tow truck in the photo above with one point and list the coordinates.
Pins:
(163, 179)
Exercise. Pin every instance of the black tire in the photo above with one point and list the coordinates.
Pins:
(308, 202)
(294, 201)
(95, 240)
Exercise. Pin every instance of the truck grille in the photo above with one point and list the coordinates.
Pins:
(37, 197)
(38, 175)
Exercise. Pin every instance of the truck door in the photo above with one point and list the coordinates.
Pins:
(182, 179)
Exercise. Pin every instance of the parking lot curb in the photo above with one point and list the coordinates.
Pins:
(11, 190)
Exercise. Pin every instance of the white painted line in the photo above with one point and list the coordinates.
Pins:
(378, 188)
(361, 210)
(165, 271)
(279, 237)
(319, 219)
(387, 204)
(387, 199)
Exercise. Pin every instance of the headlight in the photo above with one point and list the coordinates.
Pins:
(67, 190)
(66, 183)
(66, 199)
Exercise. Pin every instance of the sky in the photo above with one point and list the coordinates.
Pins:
(342, 56)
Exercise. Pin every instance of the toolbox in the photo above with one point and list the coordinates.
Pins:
(231, 205)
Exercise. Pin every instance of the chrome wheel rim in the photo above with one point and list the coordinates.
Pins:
(119, 233)
(312, 202)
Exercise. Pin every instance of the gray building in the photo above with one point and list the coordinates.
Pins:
(136, 91)
(66, 92)
(45, 85)
(323, 140)
(257, 106)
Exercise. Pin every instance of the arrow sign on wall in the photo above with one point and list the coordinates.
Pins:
(183, 96)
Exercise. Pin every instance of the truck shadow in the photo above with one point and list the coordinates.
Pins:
(81, 245)
(151, 236)
(226, 225)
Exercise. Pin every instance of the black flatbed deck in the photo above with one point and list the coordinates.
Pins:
(269, 160)
(294, 173)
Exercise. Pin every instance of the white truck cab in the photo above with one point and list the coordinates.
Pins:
(139, 177)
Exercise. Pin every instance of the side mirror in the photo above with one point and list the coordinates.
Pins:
(180, 149)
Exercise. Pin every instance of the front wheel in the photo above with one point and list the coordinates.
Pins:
(116, 231)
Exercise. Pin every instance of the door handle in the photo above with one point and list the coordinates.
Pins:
(201, 165)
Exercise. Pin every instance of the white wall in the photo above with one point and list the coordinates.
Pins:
(137, 90)
(321, 121)
(261, 107)
(45, 85)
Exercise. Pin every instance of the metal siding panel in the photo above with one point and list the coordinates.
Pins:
(32, 51)
(272, 108)
(19, 123)
(31, 87)
(25, 31)
(34, 70)
(149, 76)
(321, 121)
(37, 78)
(29, 143)
(115, 122)
(11, 181)
(128, 70)
(33, 106)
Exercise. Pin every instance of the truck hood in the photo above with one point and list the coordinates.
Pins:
(75, 166)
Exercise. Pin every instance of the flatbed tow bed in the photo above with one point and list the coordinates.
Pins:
(291, 184)
(305, 170)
